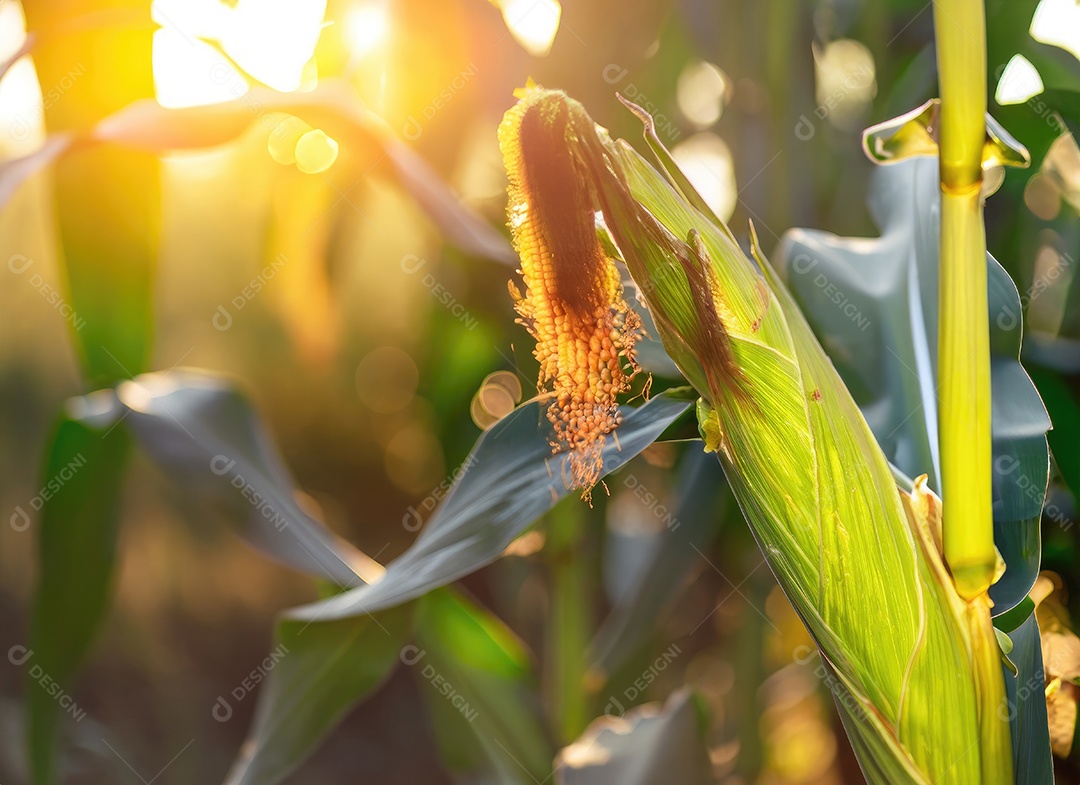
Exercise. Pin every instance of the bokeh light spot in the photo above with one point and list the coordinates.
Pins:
(706, 161)
(386, 379)
(315, 152)
(283, 138)
(702, 91)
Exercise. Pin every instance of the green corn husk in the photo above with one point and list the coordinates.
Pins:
(915, 670)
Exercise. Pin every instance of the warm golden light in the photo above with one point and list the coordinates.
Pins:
(273, 41)
(532, 23)
(315, 152)
(366, 28)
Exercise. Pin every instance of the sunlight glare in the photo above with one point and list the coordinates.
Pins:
(532, 23)
(191, 72)
(366, 28)
(20, 94)
(272, 40)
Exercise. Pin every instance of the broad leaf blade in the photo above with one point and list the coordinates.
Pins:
(511, 480)
(324, 669)
(873, 304)
(1026, 706)
(80, 508)
(478, 681)
(204, 433)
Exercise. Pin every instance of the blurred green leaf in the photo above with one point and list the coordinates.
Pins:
(321, 669)
(873, 305)
(77, 530)
(508, 481)
(649, 745)
(207, 438)
(481, 691)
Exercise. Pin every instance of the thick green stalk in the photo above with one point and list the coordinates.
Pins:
(568, 635)
(964, 339)
(964, 359)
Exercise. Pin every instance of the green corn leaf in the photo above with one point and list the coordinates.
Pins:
(873, 304)
(320, 670)
(815, 488)
(508, 481)
(205, 435)
(77, 529)
(478, 682)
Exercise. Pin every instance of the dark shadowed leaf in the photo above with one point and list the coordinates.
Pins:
(79, 505)
(1026, 706)
(206, 436)
(320, 670)
(649, 745)
(508, 481)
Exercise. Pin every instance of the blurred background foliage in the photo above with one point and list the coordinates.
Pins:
(312, 274)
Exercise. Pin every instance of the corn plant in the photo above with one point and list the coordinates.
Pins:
(906, 546)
